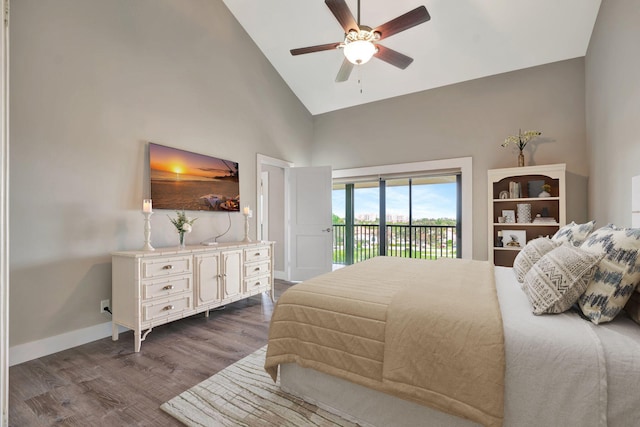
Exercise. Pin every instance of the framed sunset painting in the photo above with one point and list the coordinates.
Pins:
(182, 180)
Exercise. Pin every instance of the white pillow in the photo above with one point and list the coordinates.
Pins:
(557, 280)
(616, 275)
(532, 252)
(573, 233)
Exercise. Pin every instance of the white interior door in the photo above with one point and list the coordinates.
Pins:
(310, 231)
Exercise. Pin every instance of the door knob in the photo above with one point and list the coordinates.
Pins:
(328, 229)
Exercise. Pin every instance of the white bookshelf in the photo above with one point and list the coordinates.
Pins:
(555, 205)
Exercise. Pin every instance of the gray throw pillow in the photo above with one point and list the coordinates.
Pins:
(557, 280)
(532, 252)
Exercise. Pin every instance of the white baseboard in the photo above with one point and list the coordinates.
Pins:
(44, 347)
(35, 349)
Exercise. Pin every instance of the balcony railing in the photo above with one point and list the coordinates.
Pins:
(409, 241)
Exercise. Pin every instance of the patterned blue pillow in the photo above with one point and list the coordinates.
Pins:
(617, 274)
(573, 233)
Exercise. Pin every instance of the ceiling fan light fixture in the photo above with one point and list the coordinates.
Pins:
(361, 41)
(359, 52)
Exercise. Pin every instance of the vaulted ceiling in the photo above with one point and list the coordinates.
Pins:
(464, 40)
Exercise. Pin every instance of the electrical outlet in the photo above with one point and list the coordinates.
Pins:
(105, 303)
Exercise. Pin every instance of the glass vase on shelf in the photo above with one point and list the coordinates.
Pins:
(181, 244)
(521, 159)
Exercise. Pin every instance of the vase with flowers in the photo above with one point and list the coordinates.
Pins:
(520, 140)
(546, 191)
(183, 224)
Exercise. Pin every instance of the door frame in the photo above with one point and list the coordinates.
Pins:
(262, 210)
(261, 160)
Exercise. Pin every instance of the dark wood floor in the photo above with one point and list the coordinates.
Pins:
(104, 383)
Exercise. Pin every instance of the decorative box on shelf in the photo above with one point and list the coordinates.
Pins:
(544, 215)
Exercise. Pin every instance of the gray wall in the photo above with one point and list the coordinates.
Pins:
(613, 110)
(470, 119)
(92, 81)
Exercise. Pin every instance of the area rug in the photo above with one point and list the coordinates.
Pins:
(245, 395)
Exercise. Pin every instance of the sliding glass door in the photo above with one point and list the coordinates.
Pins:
(413, 217)
(356, 228)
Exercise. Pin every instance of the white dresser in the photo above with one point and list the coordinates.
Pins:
(151, 288)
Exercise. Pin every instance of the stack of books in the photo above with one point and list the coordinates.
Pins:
(544, 220)
(515, 190)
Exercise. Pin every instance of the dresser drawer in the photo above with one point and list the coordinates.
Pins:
(162, 267)
(165, 287)
(257, 269)
(257, 254)
(257, 283)
(168, 307)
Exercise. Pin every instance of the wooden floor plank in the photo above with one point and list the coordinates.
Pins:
(104, 383)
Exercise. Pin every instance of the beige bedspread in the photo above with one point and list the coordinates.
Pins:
(426, 331)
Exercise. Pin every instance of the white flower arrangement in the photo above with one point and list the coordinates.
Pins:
(183, 223)
(521, 139)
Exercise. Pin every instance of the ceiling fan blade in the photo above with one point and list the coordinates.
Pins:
(342, 13)
(345, 71)
(393, 57)
(403, 22)
(311, 49)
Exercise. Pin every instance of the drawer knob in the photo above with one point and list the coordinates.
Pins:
(168, 287)
(168, 267)
(257, 254)
(258, 284)
(167, 308)
(256, 269)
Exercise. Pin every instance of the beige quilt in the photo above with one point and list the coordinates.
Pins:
(426, 331)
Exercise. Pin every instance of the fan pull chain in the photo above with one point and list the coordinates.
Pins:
(360, 78)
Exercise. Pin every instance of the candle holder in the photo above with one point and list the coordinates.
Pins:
(147, 232)
(247, 214)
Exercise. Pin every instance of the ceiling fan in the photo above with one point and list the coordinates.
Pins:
(361, 42)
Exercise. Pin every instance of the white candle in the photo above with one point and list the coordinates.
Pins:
(246, 210)
(146, 205)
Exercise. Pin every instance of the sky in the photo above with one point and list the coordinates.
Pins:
(172, 163)
(429, 201)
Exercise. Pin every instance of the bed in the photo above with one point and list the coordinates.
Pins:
(334, 340)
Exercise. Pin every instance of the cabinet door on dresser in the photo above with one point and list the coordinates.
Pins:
(231, 265)
(208, 277)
